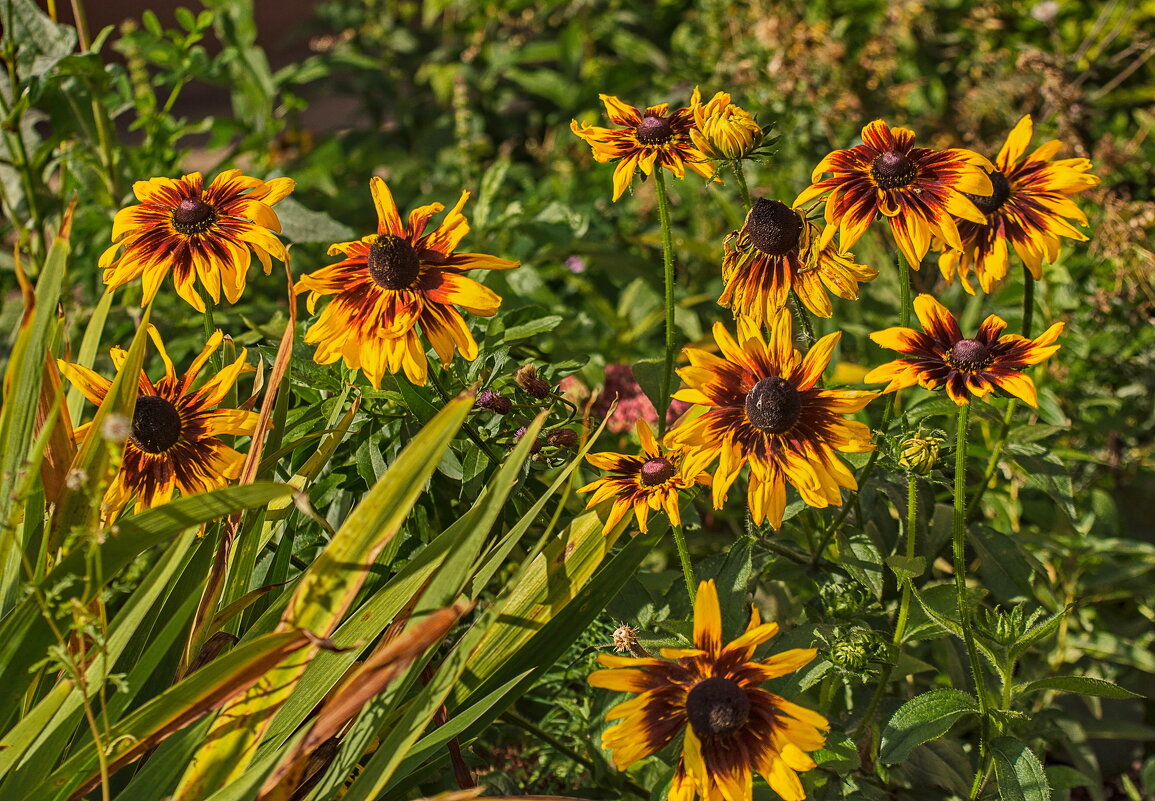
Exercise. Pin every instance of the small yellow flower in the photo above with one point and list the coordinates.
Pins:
(723, 130)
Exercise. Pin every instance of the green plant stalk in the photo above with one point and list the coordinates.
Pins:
(904, 310)
(1012, 404)
(740, 177)
(684, 558)
(803, 318)
(467, 426)
(903, 606)
(668, 273)
(959, 550)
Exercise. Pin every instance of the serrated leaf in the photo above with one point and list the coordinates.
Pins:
(1083, 685)
(921, 719)
(1019, 772)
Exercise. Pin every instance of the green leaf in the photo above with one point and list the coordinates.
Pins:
(906, 567)
(1019, 772)
(300, 224)
(1083, 685)
(923, 718)
(862, 560)
(1049, 474)
(1039, 631)
(322, 596)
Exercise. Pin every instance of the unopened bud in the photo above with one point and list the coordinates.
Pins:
(498, 404)
(918, 453)
(527, 378)
(535, 447)
(562, 438)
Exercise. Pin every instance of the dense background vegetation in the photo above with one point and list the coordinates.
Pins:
(441, 96)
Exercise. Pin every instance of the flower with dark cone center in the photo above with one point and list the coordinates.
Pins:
(657, 471)
(653, 131)
(892, 170)
(716, 707)
(1000, 191)
(773, 227)
(156, 424)
(969, 355)
(393, 263)
(773, 405)
(193, 216)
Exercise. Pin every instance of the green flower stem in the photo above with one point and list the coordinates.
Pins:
(684, 558)
(740, 177)
(904, 313)
(1012, 404)
(803, 318)
(467, 427)
(911, 536)
(668, 273)
(959, 542)
(210, 329)
(903, 606)
(1028, 301)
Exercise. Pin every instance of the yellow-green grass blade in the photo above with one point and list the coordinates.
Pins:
(452, 554)
(202, 692)
(541, 589)
(535, 656)
(89, 345)
(25, 634)
(21, 389)
(320, 601)
(24, 739)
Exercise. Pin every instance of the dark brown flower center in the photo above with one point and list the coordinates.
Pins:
(892, 170)
(657, 471)
(969, 355)
(717, 707)
(1001, 190)
(193, 216)
(156, 424)
(773, 405)
(773, 227)
(393, 263)
(654, 130)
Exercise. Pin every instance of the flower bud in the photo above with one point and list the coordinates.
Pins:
(534, 448)
(498, 404)
(562, 438)
(724, 131)
(526, 377)
(918, 453)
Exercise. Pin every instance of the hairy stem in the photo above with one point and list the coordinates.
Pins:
(668, 276)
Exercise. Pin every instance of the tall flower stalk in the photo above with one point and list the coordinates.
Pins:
(668, 363)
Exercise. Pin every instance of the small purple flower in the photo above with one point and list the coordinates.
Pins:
(576, 265)
(499, 404)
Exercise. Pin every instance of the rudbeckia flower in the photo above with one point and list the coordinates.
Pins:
(778, 249)
(199, 234)
(711, 693)
(1029, 208)
(394, 282)
(942, 357)
(651, 480)
(918, 190)
(646, 138)
(175, 436)
(765, 409)
(723, 130)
